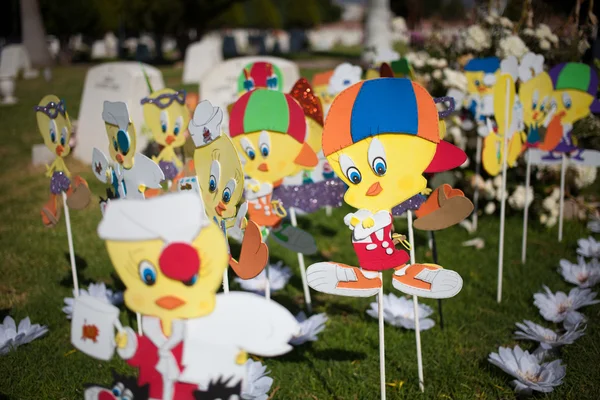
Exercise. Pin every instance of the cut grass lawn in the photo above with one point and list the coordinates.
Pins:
(344, 363)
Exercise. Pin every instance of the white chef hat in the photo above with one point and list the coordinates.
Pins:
(531, 65)
(176, 217)
(205, 126)
(116, 113)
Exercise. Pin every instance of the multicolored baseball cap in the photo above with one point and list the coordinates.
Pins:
(488, 65)
(258, 75)
(389, 105)
(269, 110)
(576, 76)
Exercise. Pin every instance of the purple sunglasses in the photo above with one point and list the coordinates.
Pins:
(451, 106)
(166, 99)
(52, 109)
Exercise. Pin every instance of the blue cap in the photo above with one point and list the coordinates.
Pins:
(488, 65)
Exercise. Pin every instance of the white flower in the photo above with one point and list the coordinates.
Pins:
(555, 307)
(488, 189)
(512, 46)
(583, 45)
(344, 75)
(477, 38)
(528, 32)
(490, 208)
(437, 74)
(497, 181)
(589, 247)
(501, 194)
(528, 371)
(455, 79)
(581, 274)
(309, 328)
(12, 336)
(400, 312)
(545, 44)
(585, 175)
(418, 63)
(573, 320)
(517, 199)
(547, 337)
(279, 276)
(442, 63)
(97, 290)
(543, 31)
(594, 225)
(257, 383)
(505, 22)
(553, 38)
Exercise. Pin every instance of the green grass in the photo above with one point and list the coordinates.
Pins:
(344, 363)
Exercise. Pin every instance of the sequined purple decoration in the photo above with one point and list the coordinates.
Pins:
(169, 169)
(59, 183)
(411, 204)
(312, 196)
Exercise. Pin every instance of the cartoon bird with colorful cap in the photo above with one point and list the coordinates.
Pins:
(55, 127)
(269, 129)
(167, 117)
(481, 74)
(574, 97)
(130, 173)
(380, 136)
(221, 183)
(260, 75)
(171, 258)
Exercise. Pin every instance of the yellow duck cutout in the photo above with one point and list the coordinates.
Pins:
(55, 127)
(481, 74)
(167, 117)
(220, 181)
(171, 258)
(129, 174)
(380, 136)
(491, 156)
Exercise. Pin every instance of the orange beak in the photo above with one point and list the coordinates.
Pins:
(59, 150)
(170, 139)
(169, 302)
(263, 167)
(481, 89)
(119, 158)
(220, 208)
(535, 114)
(375, 189)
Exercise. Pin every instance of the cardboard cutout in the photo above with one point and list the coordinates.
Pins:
(55, 127)
(260, 75)
(122, 388)
(171, 258)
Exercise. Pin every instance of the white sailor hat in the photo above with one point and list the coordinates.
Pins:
(205, 126)
(116, 113)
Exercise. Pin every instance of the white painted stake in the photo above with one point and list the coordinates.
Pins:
(411, 239)
(71, 249)
(381, 339)
(563, 173)
(267, 273)
(138, 317)
(328, 210)
(526, 211)
(307, 298)
(476, 189)
(503, 196)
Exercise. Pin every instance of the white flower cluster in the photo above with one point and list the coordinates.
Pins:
(551, 207)
(543, 33)
(585, 175)
(455, 79)
(517, 199)
(512, 45)
(477, 38)
(418, 59)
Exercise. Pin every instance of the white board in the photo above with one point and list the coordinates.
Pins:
(220, 84)
(14, 59)
(115, 81)
(201, 56)
(99, 50)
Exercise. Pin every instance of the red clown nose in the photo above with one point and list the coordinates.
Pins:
(179, 261)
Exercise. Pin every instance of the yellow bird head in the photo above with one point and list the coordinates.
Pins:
(168, 254)
(535, 95)
(481, 74)
(54, 125)
(575, 88)
(380, 136)
(120, 132)
(167, 116)
(269, 129)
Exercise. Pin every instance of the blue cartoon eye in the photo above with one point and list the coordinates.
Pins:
(379, 166)
(191, 281)
(543, 107)
(115, 145)
(118, 389)
(226, 195)
(176, 131)
(53, 135)
(251, 154)
(346, 82)
(124, 142)
(477, 83)
(534, 105)
(264, 150)
(212, 184)
(567, 100)
(354, 175)
(147, 273)
(163, 127)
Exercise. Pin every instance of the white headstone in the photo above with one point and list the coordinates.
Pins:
(131, 44)
(53, 45)
(270, 41)
(115, 81)
(14, 59)
(147, 40)
(241, 39)
(76, 42)
(201, 56)
(111, 43)
(99, 50)
(220, 84)
(168, 45)
(284, 41)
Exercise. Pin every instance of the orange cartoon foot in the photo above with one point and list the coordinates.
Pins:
(253, 256)
(427, 280)
(50, 212)
(342, 280)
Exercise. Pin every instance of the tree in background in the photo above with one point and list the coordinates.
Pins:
(34, 34)
(453, 10)
(302, 14)
(264, 15)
